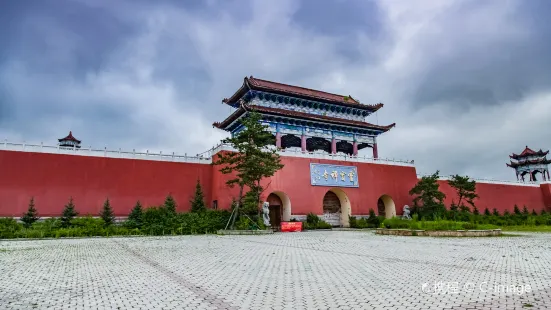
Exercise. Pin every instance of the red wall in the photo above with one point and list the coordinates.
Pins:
(52, 178)
(501, 196)
(375, 180)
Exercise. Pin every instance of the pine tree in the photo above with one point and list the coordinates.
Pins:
(253, 160)
(534, 213)
(516, 210)
(495, 212)
(198, 202)
(475, 211)
(135, 217)
(107, 213)
(487, 212)
(543, 212)
(466, 190)
(506, 213)
(525, 211)
(68, 214)
(427, 192)
(170, 204)
(31, 215)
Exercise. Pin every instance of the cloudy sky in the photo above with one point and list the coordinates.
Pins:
(467, 82)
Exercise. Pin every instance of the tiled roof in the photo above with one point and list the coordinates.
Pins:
(528, 162)
(275, 87)
(69, 138)
(529, 152)
(302, 115)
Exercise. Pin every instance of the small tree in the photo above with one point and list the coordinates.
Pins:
(135, 217)
(495, 212)
(534, 213)
(516, 210)
(31, 215)
(487, 212)
(68, 214)
(475, 211)
(107, 213)
(466, 191)
(170, 204)
(427, 192)
(198, 202)
(253, 160)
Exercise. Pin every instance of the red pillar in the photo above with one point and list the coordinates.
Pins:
(355, 148)
(333, 146)
(278, 140)
(303, 143)
(375, 151)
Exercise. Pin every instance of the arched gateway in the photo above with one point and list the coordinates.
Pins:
(386, 207)
(336, 208)
(280, 208)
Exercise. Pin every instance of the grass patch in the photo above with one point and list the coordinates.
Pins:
(527, 228)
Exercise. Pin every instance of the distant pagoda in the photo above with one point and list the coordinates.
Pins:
(306, 119)
(69, 141)
(530, 162)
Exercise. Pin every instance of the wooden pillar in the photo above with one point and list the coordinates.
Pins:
(303, 143)
(531, 177)
(548, 175)
(355, 148)
(333, 146)
(375, 150)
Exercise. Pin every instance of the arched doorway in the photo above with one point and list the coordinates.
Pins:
(386, 207)
(336, 208)
(280, 208)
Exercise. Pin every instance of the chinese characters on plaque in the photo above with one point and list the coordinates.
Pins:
(333, 175)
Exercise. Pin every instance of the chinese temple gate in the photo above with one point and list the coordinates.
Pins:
(530, 162)
(304, 119)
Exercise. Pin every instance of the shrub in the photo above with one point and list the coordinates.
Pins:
(68, 214)
(107, 213)
(198, 202)
(9, 227)
(373, 221)
(135, 218)
(170, 204)
(30, 216)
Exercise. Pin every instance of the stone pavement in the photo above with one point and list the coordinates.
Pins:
(309, 270)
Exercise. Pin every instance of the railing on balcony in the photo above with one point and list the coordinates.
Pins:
(160, 156)
(325, 155)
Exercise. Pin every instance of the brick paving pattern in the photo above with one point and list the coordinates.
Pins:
(310, 270)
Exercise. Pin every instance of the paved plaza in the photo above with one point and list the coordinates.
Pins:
(309, 270)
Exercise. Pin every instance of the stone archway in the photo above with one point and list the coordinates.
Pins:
(280, 208)
(336, 208)
(386, 207)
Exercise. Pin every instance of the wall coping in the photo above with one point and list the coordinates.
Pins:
(490, 181)
(50, 149)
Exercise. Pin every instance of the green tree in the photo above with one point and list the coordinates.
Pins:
(487, 212)
(516, 210)
(525, 211)
(534, 213)
(198, 202)
(427, 192)
(495, 212)
(466, 191)
(170, 204)
(106, 213)
(135, 218)
(543, 212)
(253, 159)
(68, 214)
(475, 211)
(31, 215)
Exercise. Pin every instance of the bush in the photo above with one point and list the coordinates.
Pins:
(9, 227)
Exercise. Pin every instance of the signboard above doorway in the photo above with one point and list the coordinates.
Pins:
(333, 175)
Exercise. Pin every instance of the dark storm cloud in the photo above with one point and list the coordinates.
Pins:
(151, 74)
(484, 70)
